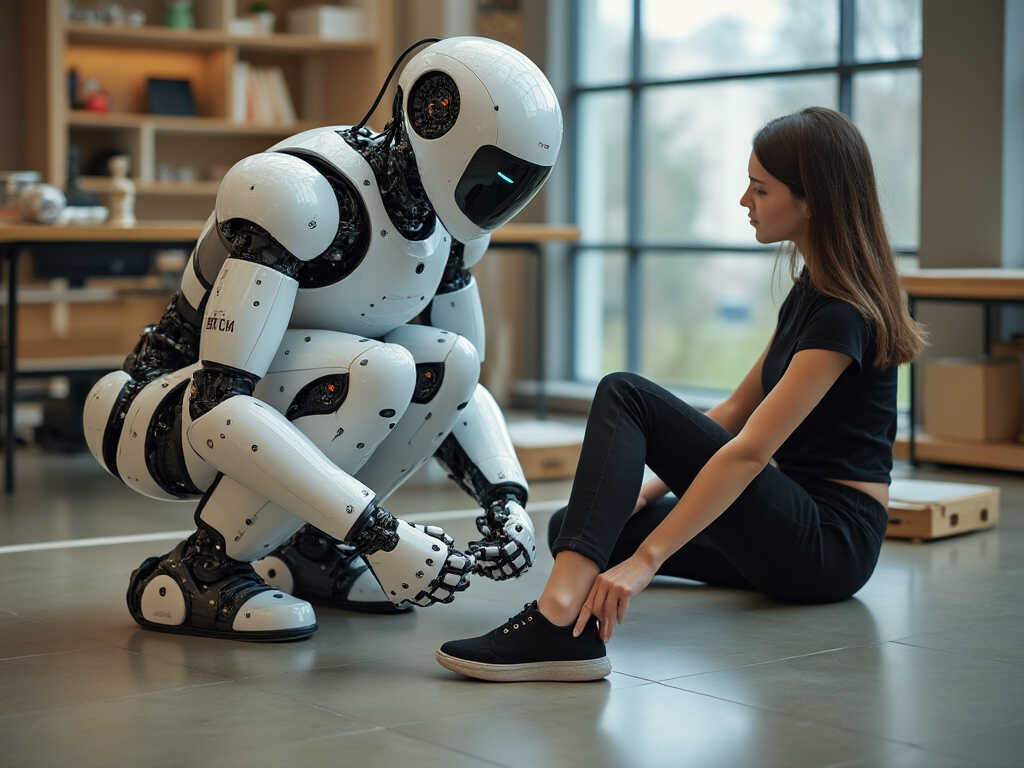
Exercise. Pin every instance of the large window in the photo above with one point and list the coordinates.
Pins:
(667, 95)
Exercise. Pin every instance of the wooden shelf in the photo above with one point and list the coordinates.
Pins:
(121, 58)
(104, 185)
(964, 283)
(208, 126)
(147, 231)
(995, 455)
(142, 232)
(204, 39)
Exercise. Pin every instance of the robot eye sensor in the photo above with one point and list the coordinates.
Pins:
(433, 104)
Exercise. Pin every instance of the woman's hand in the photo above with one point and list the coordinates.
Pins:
(610, 595)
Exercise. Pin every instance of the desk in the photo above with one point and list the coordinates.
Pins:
(991, 288)
(15, 238)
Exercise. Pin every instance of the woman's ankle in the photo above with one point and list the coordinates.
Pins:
(568, 585)
(560, 610)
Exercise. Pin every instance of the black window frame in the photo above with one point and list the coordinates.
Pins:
(846, 67)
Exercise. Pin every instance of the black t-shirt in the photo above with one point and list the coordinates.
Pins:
(849, 434)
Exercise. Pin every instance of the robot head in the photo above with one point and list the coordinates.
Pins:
(485, 127)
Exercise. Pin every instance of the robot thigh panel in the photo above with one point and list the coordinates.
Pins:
(447, 371)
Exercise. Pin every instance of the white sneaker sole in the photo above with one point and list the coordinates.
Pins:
(559, 671)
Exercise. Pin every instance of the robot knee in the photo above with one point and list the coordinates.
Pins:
(394, 358)
(389, 371)
(462, 367)
(100, 407)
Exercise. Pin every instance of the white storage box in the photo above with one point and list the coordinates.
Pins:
(331, 22)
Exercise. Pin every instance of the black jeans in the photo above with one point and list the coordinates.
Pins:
(798, 539)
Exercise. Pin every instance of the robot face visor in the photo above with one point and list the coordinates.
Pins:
(496, 184)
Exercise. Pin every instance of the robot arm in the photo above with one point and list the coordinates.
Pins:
(478, 454)
(273, 212)
(456, 306)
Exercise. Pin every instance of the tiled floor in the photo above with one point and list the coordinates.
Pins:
(925, 667)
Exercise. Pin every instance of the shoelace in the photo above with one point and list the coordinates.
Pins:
(520, 619)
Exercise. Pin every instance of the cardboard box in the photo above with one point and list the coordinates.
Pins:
(1013, 348)
(547, 450)
(974, 400)
(921, 509)
(328, 22)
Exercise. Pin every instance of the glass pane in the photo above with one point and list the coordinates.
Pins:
(601, 168)
(887, 109)
(888, 29)
(683, 39)
(600, 302)
(605, 30)
(708, 317)
(697, 141)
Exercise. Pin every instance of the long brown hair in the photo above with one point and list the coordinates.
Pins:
(821, 156)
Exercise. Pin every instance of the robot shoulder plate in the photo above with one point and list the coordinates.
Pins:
(288, 198)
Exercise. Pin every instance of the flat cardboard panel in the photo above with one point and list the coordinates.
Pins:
(928, 510)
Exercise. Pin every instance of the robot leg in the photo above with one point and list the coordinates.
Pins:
(316, 381)
(447, 371)
(136, 432)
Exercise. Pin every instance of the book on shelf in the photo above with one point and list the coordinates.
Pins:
(260, 95)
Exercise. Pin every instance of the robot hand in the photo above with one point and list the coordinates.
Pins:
(415, 564)
(507, 549)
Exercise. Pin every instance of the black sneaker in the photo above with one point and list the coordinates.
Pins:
(529, 647)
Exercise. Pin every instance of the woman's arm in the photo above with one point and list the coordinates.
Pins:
(810, 375)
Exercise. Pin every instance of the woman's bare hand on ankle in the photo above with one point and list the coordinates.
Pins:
(610, 595)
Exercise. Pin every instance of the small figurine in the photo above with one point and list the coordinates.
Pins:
(122, 193)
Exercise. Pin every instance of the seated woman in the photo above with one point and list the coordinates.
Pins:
(821, 400)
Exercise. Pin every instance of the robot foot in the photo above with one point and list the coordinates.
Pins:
(195, 589)
(311, 566)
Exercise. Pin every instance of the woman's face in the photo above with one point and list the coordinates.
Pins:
(775, 212)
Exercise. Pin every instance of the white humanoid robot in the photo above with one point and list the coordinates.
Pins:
(287, 384)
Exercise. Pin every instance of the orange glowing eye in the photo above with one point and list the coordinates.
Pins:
(429, 375)
(330, 387)
(430, 108)
(444, 102)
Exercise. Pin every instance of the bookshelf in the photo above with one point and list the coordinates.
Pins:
(176, 162)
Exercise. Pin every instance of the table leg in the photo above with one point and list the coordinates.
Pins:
(988, 307)
(10, 373)
(541, 402)
(912, 451)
